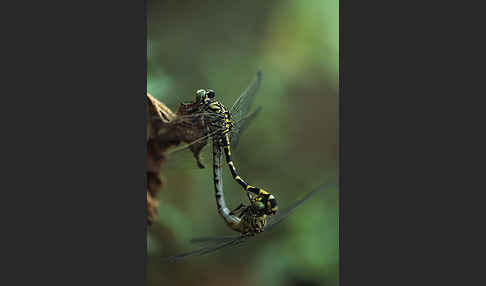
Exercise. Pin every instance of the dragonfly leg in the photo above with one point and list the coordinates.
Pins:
(249, 197)
(239, 209)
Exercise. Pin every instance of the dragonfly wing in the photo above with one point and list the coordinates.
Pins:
(283, 214)
(214, 239)
(205, 250)
(187, 161)
(243, 103)
(198, 140)
(241, 125)
(192, 119)
(230, 241)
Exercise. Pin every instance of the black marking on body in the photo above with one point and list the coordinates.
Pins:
(254, 190)
(226, 143)
(227, 153)
(242, 183)
(233, 171)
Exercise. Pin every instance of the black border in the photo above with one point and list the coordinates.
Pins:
(395, 144)
(75, 157)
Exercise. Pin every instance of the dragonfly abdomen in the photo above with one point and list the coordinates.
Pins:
(269, 201)
(223, 210)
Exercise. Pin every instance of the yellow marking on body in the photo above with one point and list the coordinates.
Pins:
(263, 192)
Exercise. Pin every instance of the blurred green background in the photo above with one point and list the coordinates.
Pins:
(288, 150)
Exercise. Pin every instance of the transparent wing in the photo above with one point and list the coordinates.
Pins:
(243, 103)
(214, 239)
(239, 114)
(192, 118)
(206, 250)
(199, 140)
(239, 128)
(283, 214)
(232, 241)
(185, 161)
(241, 125)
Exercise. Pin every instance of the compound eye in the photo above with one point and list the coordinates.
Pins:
(200, 93)
(259, 205)
(211, 93)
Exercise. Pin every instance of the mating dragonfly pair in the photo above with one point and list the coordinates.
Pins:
(224, 127)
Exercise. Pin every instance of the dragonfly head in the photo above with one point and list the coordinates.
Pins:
(265, 203)
(272, 205)
(255, 221)
(205, 96)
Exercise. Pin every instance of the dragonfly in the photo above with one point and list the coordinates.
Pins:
(217, 243)
(243, 219)
(225, 126)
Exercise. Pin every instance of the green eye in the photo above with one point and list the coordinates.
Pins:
(200, 93)
(259, 205)
(211, 93)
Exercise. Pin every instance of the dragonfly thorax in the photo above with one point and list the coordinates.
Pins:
(254, 221)
(208, 104)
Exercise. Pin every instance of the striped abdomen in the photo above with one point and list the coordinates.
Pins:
(266, 198)
(231, 220)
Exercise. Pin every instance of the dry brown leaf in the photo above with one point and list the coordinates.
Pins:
(162, 133)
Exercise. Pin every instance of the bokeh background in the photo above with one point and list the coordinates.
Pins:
(290, 148)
